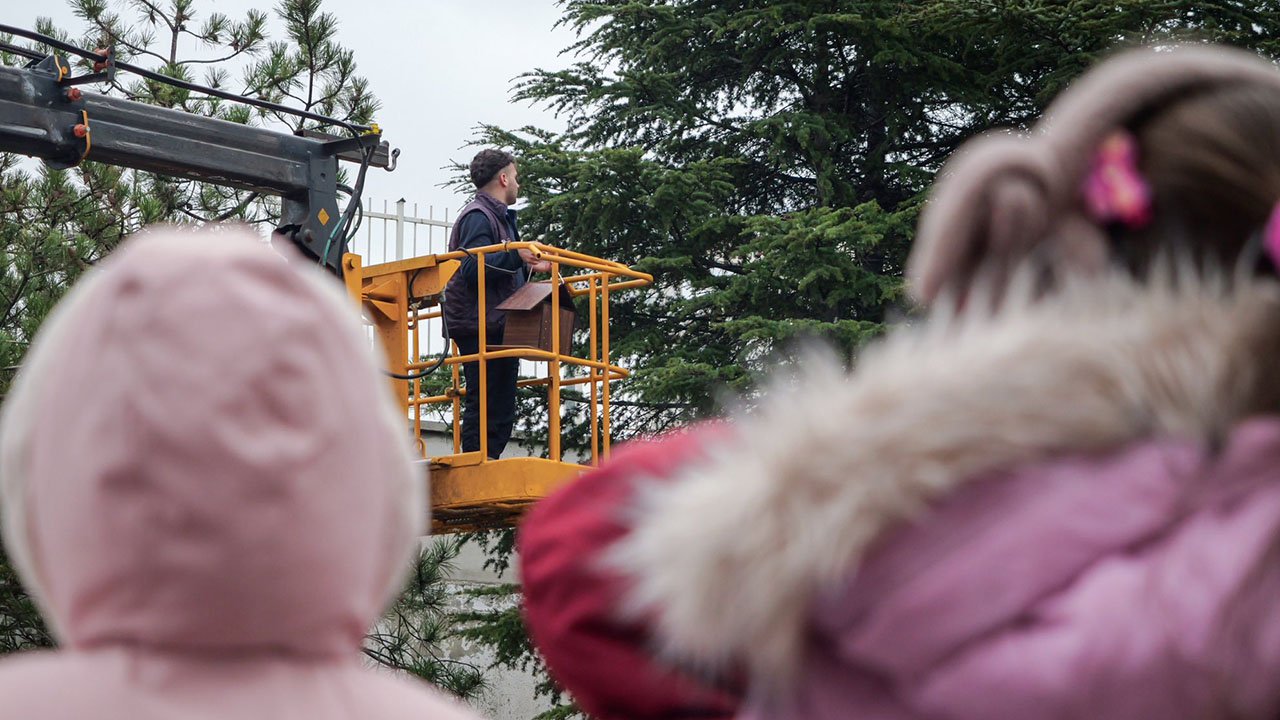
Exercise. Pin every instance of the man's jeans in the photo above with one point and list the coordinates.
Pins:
(503, 373)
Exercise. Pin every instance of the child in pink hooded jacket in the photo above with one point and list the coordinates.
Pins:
(208, 492)
(1058, 496)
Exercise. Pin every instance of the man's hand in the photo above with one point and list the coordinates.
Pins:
(537, 265)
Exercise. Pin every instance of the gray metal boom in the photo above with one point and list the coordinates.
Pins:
(44, 115)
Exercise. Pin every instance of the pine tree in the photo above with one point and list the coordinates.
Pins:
(422, 622)
(55, 224)
(766, 161)
(493, 619)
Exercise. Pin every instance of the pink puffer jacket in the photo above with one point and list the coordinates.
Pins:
(1070, 509)
(209, 494)
(1141, 584)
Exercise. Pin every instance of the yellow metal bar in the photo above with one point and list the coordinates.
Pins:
(399, 267)
(388, 310)
(457, 403)
(617, 374)
(539, 356)
(526, 353)
(538, 249)
(434, 399)
(483, 359)
(593, 288)
(465, 459)
(610, 269)
(639, 282)
(423, 364)
(427, 276)
(572, 280)
(604, 355)
(415, 390)
(565, 257)
(613, 287)
(382, 288)
(353, 276)
(553, 367)
(534, 382)
(395, 341)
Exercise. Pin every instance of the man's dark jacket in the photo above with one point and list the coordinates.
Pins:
(483, 221)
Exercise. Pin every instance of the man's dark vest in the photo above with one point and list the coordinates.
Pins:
(461, 305)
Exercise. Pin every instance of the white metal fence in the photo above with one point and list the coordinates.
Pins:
(396, 231)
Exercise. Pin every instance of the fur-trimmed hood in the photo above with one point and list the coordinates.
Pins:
(729, 559)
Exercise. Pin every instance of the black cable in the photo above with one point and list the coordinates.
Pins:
(413, 279)
(24, 52)
(421, 373)
(355, 227)
(51, 42)
(353, 128)
(443, 321)
(443, 356)
(344, 226)
(353, 204)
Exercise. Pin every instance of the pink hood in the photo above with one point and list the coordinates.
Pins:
(199, 459)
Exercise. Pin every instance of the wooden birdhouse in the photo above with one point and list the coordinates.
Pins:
(529, 317)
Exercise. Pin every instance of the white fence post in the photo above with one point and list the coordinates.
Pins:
(374, 222)
(400, 229)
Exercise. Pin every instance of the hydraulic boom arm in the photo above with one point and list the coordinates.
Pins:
(44, 114)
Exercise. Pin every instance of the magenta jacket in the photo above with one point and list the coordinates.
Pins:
(1069, 509)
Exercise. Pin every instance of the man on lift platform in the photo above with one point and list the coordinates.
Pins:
(487, 220)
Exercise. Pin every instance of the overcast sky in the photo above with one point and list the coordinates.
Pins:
(440, 68)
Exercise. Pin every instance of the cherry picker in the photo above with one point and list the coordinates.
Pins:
(44, 113)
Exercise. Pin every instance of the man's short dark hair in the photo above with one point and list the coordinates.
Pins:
(487, 163)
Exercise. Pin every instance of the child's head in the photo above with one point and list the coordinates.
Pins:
(1212, 160)
(1152, 153)
(199, 453)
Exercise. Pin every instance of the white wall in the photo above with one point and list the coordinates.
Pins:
(510, 693)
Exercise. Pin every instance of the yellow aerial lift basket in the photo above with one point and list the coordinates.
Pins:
(468, 490)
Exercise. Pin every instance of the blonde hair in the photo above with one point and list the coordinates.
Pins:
(1212, 160)
(1207, 122)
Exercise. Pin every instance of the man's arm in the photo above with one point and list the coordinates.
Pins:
(538, 265)
(477, 233)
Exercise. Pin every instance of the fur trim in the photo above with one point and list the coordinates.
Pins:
(727, 559)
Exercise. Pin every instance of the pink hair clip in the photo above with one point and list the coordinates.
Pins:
(1114, 189)
(1271, 237)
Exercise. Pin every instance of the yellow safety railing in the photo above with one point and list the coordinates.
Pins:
(399, 297)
